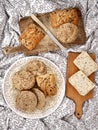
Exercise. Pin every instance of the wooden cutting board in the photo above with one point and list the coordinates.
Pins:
(71, 91)
(46, 43)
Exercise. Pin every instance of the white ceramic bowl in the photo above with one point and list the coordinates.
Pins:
(52, 102)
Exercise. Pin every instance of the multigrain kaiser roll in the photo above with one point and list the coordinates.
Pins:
(60, 17)
(31, 36)
(23, 80)
(66, 33)
(26, 101)
(36, 67)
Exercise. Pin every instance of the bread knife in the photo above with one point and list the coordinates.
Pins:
(9, 50)
(53, 38)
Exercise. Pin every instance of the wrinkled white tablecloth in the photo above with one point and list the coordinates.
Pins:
(63, 118)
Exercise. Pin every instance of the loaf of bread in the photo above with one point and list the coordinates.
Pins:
(85, 63)
(31, 36)
(81, 83)
(60, 17)
(66, 33)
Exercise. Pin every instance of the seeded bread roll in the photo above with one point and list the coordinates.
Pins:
(23, 80)
(85, 63)
(41, 100)
(81, 83)
(60, 17)
(26, 101)
(47, 84)
(66, 33)
(31, 36)
(36, 67)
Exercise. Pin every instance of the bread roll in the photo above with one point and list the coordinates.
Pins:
(23, 80)
(41, 100)
(66, 33)
(26, 101)
(36, 67)
(47, 84)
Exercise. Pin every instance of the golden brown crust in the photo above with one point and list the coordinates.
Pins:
(31, 36)
(41, 82)
(26, 101)
(47, 84)
(60, 17)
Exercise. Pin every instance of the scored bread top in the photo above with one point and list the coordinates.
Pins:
(81, 83)
(85, 63)
(31, 36)
(60, 17)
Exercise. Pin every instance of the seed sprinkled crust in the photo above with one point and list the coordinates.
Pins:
(36, 67)
(23, 80)
(60, 17)
(26, 101)
(66, 33)
(31, 36)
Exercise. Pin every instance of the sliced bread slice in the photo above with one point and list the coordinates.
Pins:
(81, 83)
(85, 63)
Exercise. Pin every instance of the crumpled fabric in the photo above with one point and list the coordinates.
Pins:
(63, 118)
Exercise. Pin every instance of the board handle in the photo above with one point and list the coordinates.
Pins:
(78, 110)
(12, 50)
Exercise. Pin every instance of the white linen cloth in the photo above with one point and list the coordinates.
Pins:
(63, 118)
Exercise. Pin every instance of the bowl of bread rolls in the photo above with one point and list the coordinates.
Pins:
(33, 87)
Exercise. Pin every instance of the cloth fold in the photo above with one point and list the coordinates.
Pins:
(63, 118)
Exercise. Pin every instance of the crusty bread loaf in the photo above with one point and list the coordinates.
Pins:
(60, 17)
(66, 33)
(85, 63)
(81, 83)
(31, 36)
